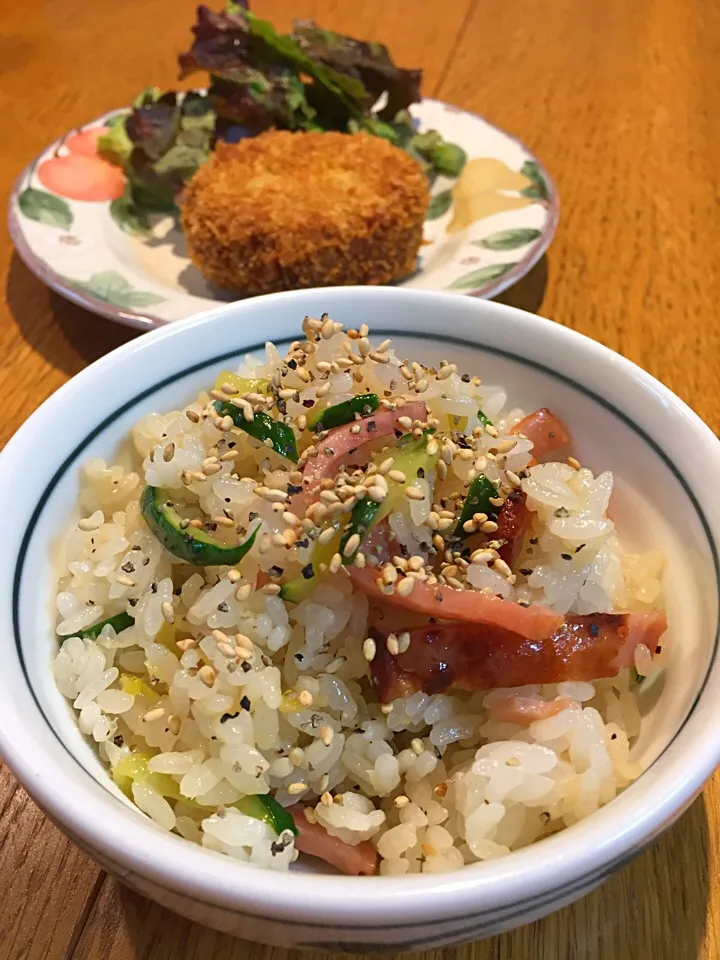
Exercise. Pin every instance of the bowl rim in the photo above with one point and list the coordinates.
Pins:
(557, 868)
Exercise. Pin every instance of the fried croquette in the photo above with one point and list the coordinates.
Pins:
(287, 210)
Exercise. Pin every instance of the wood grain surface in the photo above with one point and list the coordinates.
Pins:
(619, 100)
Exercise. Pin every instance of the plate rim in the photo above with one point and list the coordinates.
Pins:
(141, 320)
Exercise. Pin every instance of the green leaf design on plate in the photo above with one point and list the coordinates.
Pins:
(111, 287)
(477, 278)
(130, 218)
(439, 204)
(45, 208)
(508, 239)
(539, 189)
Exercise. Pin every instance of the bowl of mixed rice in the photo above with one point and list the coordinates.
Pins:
(410, 594)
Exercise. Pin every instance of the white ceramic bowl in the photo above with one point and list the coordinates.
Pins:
(667, 462)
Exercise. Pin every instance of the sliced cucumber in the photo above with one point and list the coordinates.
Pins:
(344, 412)
(119, 622)
(262, 427)
(190, 544)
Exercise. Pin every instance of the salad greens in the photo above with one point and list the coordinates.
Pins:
(311, 79)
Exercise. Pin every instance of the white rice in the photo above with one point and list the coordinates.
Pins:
(435, 783)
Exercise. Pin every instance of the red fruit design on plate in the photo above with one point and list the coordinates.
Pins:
(79, 177)
(85, 144)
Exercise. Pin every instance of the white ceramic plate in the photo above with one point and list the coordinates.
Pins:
(478, 245)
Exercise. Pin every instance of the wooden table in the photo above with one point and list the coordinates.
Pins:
(619, 100)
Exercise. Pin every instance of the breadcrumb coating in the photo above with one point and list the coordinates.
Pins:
(287, 210)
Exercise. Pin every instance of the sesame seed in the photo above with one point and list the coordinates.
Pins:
(296, 756)
(242, 641)
(507, 445)
(88, 524)
(364, 347)
(226, 424)
(502, 568)
(192, 416)
(414, 493)
(174, 723)
(489, 526)
(575, 464)
(442, 469)
(294, 789)
(386, 708)
(222, 521)
(305, 698)
(417, 746)
(226, 650)
(124, 581)
(168, 452)
(401, 801)
(432, 447)
(469, 526)
(392, 645)
(406, 374)
(491, 431)
(356, 428)
(379, 357)
(405, 422)
(377, 493)
(352, 545)
(513, 478)
(323, 366)
(389, 574)
(271, 589)
(287, 394)
(323, 390)
(482, 556)
(166, 608)
(335, 563)
(386, 466)
(405, 587)
(272, 496)
(187, 644)
(421, 385)
(446, 371)
(243, 592)
(207, 674)
(369, 649)
(326, 799)
(404, 639)
(155, 714)
(397, 476)
(328, 329)
(326, 734)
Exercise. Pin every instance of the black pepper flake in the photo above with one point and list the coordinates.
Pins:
(118, 741)
(293, 489)
(613, 736)
(275, 571)
(658, 649)
(245, 666)
(398, 433)
(534, 540)
(581, 547)
(371, 426)
(523, 603)
(566, 556)
(223, 607)
(227, 499)
(245, 703)
(562, 512)
(308, 572)
(299, 657)
(132, 548)
(328, 451)
(292, 364)
(303, 543)
(525, 571)
(253, 516)
(421, 472)
(146, 561)
(315, 720)
(594, 630)
(211, 526)
(551, 434)
(229, 716)
(153, 587)
(177, 591)
(128, 567)
(308, 403)
(132, 601)
(465, 378)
